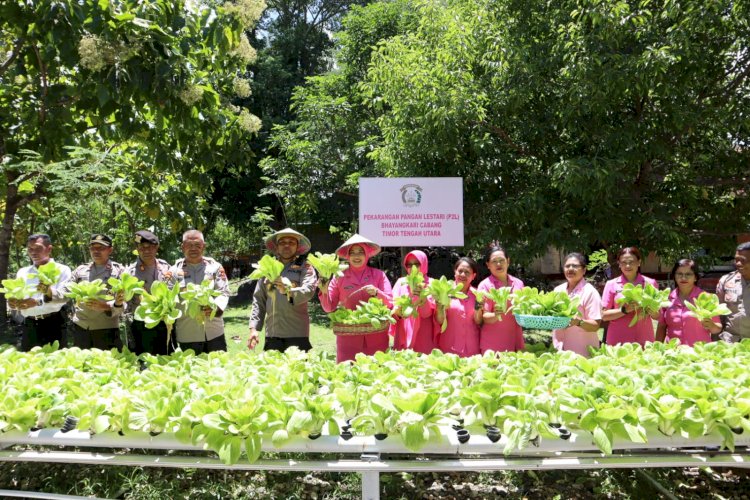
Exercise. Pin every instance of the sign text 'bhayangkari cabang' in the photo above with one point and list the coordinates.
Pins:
(412, 211)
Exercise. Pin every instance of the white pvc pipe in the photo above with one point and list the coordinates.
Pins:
(371, 485)
(38, 494)
(440, 465)
(446, 444)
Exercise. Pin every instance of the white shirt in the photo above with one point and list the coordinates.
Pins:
(29, 273)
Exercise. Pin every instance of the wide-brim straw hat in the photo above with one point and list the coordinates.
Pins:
(303, 243)
(371, 248)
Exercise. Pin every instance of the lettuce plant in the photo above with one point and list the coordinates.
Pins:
(647, 300)
(126, 284)
(48, 274)
(530, 301)
(327, 265)
(161, 304)
(706, 307)
(197, 297)
(500, 296)
(17, 289)
(442, 291)
(85, 291)
(373, 312)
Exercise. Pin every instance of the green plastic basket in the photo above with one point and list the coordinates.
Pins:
(542, 322)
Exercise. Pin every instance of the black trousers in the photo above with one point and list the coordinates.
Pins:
(281, 344)
(104, 339)
(151, 340)
(217, 344)
(42, 331)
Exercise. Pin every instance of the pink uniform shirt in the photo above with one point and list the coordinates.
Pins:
(681, 326)
(347, 290)
(462, 334)
(575, 338)
(619, 332)
(505, 335)
(414, 333)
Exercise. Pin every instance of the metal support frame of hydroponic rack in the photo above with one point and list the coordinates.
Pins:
(369, 457)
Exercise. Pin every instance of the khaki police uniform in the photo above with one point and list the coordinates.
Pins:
(734, 291)
(190, 333)
(151, 340)
(91, 327)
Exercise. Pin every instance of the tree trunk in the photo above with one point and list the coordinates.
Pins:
(12, 202)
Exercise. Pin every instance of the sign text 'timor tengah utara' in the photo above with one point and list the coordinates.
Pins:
(412, 211)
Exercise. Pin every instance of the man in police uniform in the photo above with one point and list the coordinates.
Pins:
(150, 269)
(96, 323)
(286, 316)
(43, 320)
(194, 268)
(734, 291)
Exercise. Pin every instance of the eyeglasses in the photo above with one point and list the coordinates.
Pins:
(684, 275)
(194, 244)
(572, 266)
(498, 262)
(628, 263)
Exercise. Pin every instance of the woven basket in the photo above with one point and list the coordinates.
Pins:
(542, 322)
(365, 329)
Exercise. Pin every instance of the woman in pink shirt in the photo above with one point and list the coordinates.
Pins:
(619, 331)
(464, 315)
(674, 322)
(413, 332)
(359, 283)
(582, 331)
(499, 332)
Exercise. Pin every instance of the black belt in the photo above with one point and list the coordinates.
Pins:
(42, 316)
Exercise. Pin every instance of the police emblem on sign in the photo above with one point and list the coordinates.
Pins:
(411, 195)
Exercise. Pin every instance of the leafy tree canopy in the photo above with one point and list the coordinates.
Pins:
(573, 123)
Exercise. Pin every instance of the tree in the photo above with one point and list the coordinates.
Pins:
(328, 144)
(577, 123)
(150, 78)
(294, 40)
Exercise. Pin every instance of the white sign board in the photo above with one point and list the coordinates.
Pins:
(412, 211)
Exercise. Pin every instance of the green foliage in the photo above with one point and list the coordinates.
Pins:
(327, 265)
(149, 84)
(530, 301)
(647, 301)
(84, 291)
(618, 111)
(334, 131)
(598, 260)
(17, 289)
(706, 307)
(196, 297)
(126, 284)
(267, 267)
(500, 296)
(161, 304)
(373, 312)
(442, 291)
(48, 274)
(242, 402)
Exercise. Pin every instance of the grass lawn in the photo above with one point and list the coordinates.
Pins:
(236, 329)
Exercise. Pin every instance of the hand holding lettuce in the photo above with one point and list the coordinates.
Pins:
(199, 299)
(647, 300)
(443, 291)
(327, 265)
(706, 307)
